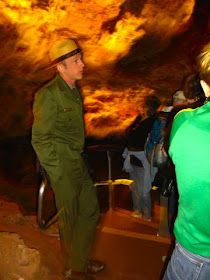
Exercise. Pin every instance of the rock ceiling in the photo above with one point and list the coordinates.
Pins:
(131, 48)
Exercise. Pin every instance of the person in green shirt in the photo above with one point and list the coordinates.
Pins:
(190, 152)
(58, 139)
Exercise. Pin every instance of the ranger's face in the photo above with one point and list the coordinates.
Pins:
(74, 67)
(71, 69)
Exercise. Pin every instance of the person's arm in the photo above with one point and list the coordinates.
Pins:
(45, 112)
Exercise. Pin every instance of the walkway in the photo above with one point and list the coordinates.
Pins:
(130, 247)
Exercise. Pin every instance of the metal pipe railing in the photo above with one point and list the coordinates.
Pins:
(43, 224)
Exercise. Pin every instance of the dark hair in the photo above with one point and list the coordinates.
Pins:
(192, 87)
(153, 103)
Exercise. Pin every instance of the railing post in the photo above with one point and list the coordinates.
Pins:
(110, 184)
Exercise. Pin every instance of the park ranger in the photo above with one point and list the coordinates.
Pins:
(58, 140)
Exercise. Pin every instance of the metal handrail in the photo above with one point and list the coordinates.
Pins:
(45, 183)
(43, 224)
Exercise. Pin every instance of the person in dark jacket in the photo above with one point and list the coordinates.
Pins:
(192, 96)
(135, 160)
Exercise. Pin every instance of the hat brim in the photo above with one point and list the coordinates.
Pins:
(62, 58)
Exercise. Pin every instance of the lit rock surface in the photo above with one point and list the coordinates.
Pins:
(25, 252)
(17, 260)
(131, 48)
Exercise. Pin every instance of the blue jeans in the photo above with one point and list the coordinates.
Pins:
(187, 266)
(140, 195)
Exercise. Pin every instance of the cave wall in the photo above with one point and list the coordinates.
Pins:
(131, 49)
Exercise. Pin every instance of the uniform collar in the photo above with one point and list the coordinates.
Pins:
(62, 84)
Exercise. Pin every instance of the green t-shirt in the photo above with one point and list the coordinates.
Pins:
(190, 152)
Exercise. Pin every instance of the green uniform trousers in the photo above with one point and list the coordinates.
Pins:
(75, 193)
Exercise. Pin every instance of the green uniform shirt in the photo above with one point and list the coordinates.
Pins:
(58, 129)
(190, 152)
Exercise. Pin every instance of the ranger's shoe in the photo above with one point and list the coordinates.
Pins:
(94, 266)
(76, 275)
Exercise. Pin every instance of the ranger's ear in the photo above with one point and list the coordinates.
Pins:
(60, 67)
(206, 88)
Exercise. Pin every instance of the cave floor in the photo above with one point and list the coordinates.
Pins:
(129, 246)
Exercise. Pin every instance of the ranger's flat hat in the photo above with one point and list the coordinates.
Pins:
(63, 49)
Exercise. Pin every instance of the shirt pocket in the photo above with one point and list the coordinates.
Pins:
(65, 118)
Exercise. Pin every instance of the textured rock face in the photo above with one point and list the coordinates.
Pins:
(17, 260)
(24, 247)
(131, 48)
